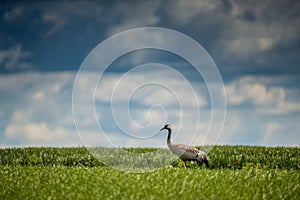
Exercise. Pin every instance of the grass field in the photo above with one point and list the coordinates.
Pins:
(236, 172)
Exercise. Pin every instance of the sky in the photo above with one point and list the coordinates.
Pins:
(48, 99)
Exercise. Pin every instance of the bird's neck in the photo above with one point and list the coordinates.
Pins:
(169, 136)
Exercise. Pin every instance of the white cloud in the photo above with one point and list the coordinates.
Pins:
(41, 134)
(183, 11)
(14, 58)
(271, 130)
(21, 116)
(239, 30)
(156, 97)
(59, 14)
(58, 22)
(164, 86)
(38, 109)
(134, 15)
(261, 95)
(246, 40)
(14, 13)
(246, 30)
(55, 14)
(42, 113)
(283, 132)
(40, 95)
(273, 24)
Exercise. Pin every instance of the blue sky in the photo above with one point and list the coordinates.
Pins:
(255, 45)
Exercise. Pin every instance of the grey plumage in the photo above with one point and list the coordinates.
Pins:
(185, 152)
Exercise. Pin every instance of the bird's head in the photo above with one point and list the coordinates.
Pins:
(167, 126)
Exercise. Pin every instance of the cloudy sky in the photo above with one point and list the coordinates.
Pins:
(254, 44)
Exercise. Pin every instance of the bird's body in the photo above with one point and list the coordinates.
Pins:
(185, 152)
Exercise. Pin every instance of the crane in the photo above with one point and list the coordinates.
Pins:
(185, 152)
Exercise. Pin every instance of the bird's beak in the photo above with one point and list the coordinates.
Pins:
(162, 128)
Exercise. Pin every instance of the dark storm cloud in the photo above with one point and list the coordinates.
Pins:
(244, 36)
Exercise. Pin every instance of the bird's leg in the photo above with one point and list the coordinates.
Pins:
(206, 163)
(184, 164)
(198, 163)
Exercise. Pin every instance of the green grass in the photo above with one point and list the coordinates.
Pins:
(221, 157)
(236, 172)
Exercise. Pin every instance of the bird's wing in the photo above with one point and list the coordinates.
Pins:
(177, 149)
(193, 150)
(202, 155)
(185, 152)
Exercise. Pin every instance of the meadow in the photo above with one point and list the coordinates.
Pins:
(235, 172)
